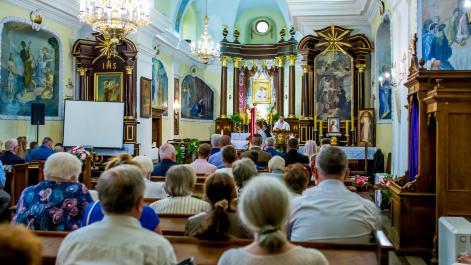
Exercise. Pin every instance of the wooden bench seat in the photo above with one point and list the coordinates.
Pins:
(199, 179)
(208, 252)
(173, 224)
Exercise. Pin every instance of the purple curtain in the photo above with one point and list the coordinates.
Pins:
(414, 141)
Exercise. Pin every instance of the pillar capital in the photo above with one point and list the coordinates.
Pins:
(224, 60)
(129, 70)
(236, 61)
(280, 61)
(82, 71)
(292, 59)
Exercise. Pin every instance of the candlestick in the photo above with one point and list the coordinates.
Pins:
(346, 127)
(222, 132)
(320, 127)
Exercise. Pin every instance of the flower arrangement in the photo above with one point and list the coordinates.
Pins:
(385, 187)
(361, 182)
(80, 152)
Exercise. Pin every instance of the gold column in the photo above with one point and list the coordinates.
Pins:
(305, 92)
(129, 100)
(280, 62)
(223, 99)
(235, 96)
(83, 83)
(292, 86)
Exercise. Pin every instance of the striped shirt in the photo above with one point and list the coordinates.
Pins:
(180, 205)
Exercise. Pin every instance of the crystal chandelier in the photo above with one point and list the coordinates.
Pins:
(206, 49)
(115, 19)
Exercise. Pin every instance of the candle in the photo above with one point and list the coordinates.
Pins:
(222, 132)
(315, 123)
(353, 123)
(320, 127)
(346, 127)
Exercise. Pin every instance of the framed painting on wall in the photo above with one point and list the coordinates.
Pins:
(333, 85)
(146, 97)
(333, 125)
(108, 86)
(197, 99)
(261, 91)
(366, 127)
(30, 70)
(159, 86)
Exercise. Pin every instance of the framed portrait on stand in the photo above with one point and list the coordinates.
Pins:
(333, 125)
(366, 127)
(146, 97)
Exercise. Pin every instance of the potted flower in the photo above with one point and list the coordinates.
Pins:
(361, 183)
(80, 153)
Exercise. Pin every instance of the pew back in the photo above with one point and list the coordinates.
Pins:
(208, 252)
(19, 181)
(173, 224)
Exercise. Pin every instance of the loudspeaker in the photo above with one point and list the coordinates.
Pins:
(38, 114)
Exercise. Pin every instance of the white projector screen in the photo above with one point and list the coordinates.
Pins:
(97, 124)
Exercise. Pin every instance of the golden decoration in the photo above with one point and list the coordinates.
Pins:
(334, 41)
(224, 60)
(129, 70)
(292, 59)
(237, 61)
(82, 71)
(280, 61)
(361, 67)
(306, 68)
(107, 48)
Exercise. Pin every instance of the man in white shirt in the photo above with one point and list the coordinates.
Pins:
(281, 124)
(119, 238)
(329, 212)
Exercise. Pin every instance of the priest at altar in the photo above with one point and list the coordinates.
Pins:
(281, 124)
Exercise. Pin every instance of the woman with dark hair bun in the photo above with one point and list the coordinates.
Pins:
(222, 221)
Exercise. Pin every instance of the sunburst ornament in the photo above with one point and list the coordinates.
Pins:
(107, 49)
(334, 40)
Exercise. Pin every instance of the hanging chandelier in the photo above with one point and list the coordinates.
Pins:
(115, 19)
(206, 49)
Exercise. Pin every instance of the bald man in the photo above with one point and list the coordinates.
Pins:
(168, 159)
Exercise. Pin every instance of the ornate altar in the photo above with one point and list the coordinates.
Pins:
(437, 182)
(333, 84)
(108, 73)
(258, 78)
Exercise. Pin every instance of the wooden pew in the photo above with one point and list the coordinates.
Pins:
(19, 181)
(173, 224)
(208, 252)
(199, 179)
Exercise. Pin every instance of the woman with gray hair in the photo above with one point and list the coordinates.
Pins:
(58, 202)
(179, 183)
(264, 208)
(243, 170)
(153, 189)
(310, 150)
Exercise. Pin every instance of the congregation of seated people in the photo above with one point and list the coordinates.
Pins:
(258, 194)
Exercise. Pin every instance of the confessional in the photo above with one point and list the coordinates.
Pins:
(439, 151)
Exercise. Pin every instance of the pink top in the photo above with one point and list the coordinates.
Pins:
(201, 166)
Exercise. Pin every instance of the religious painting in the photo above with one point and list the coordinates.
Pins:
(333, 79)
(109, 86)
(366, 127)
(333, 125)
(29, 70)
(159, 86)
(197, 99)
(261, 91)
(383, 62)
(146, 97)
(444, 34)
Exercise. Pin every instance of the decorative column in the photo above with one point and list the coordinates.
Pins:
(83, 83)
(223, 105)
(129, 110)
(305, 93)
(236, 92)
(292, 86)
(280, 62)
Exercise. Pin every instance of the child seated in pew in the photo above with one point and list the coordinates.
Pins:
(222, 221)
(264, 207)
(94, 213)
(179, 183)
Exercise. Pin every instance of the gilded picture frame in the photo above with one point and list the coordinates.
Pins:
(333, 124)
(366, 125)
(261, 91)
(108, 86)
(146, 97)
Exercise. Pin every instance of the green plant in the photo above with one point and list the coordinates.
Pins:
(385, 187)
(180, 155)
(192, 146)
(275, 117)
(235, 118)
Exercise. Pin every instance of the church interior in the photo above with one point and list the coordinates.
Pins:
(237, 131)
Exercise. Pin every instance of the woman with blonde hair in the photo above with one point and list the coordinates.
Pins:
(222, 221)
(264, 208)
(94, 213)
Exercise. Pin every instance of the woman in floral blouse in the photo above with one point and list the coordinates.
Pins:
(58, 203)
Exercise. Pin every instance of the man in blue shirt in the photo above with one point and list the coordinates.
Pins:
(215, 138)
(168, 158)
(4, 196)
(270, 147)
(44, 151)
(216, 159)
(10, 157)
